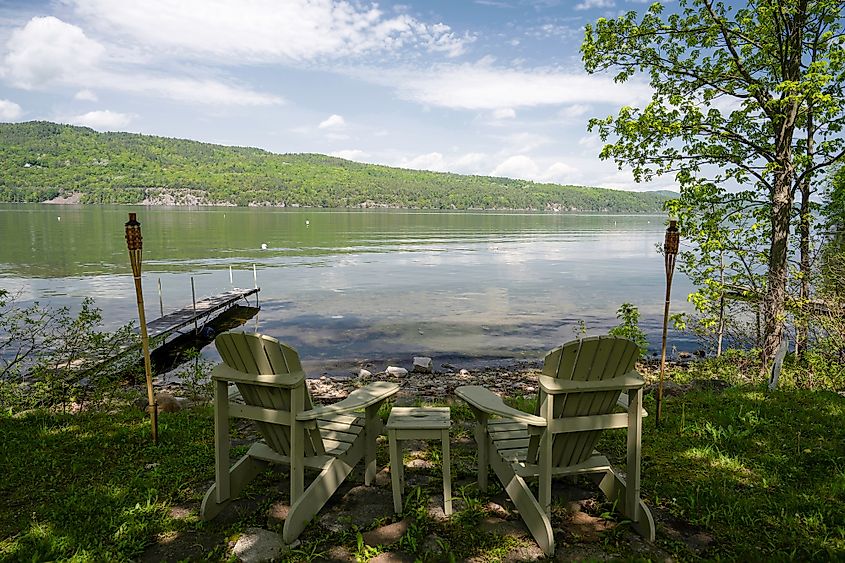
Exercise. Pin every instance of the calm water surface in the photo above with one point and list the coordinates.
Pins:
(353, 285)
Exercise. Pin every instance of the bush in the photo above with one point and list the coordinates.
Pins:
(51, 358)
(630, 326)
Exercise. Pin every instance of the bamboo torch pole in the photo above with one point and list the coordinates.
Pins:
(670, 253)
(134, 244)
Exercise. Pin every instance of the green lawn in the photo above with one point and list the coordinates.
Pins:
(762, 473)
(92, 486)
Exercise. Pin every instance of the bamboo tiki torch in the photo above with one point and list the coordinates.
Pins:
(670, 252)
(134, 244)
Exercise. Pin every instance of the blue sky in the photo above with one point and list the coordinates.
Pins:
(475, 87)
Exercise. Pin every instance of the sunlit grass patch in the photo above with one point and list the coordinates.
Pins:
(761, 470)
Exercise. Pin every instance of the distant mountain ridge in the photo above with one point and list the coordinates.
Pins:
(43, 161)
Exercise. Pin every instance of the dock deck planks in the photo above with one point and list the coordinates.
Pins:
(171, 322)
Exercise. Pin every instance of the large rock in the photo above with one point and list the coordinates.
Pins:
(396, 371)
(422, 364)
(256, 545)
(168, 403)
(386, 535)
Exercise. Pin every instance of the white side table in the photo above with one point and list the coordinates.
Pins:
(418, 423)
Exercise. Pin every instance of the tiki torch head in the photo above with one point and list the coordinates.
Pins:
(134, 243)
(133, 233)
(673, 239)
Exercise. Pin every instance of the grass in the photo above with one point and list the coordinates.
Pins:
(762, 473)
(92, 486)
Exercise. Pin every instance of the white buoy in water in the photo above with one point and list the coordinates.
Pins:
(59, 217)
(307, 222)
(263, 246)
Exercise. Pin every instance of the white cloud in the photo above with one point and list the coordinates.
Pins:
(205, 91)
(590, 4)
(47, 51)
(504, 113)
(86, 95)
(517, 166)
(429, 161)
(470, 163)
(101, 119)
(481, 86)
(267, 30)
(334, 121)
(9, 111)
(591, 142)
(561, 173)
(574, 111)
(351, 154)
(523, 167)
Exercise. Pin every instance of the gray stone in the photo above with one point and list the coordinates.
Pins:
(390, 557)
(422, 364)
(364, 374)
(396, 371)
(464, 372)
(277, 513)
(256, 545)
(386, 535)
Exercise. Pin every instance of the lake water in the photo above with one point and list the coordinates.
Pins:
(344, 285)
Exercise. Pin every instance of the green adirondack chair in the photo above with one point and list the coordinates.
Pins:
(331, 439)
(580, 387)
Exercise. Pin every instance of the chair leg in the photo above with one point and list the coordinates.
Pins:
(244, 471)
(482, 440)
(314, 497)
(532, 513)
(371, 426)
(615, 489)
(395, 471)
(447, 474)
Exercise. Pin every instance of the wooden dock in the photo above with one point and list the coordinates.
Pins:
(198, 314)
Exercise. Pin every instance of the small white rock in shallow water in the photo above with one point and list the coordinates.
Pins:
(422, 364)
(464, 372)
(398, 372)
(363, 374)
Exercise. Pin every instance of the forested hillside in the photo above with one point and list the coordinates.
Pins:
(42, 161)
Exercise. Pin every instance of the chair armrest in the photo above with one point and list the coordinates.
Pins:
(360, 398)
(222, 372)
(555, 386)
(623, 402)
(490, 403)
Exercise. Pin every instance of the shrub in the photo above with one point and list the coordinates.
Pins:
(630, 326)
(50, 357)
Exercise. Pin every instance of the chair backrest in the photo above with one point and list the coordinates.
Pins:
(589, 359)
(257, 354)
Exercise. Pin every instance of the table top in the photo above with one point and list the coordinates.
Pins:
(423, 418)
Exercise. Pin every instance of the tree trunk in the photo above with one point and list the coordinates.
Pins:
(801, 329)
(774, 307)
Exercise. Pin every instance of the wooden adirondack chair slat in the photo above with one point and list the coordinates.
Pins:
(333, 445)
(574, 416)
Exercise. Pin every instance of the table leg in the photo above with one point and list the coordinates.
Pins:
(395, 471)
(447, 474)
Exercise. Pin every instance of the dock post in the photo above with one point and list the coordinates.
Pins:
(231, 279)
(194, 301)
(160, 300)
(255, 281)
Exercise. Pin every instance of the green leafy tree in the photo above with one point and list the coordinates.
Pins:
(630, 326)
(749, 97)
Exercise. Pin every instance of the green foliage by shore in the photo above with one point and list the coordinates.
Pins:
(42, 160)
